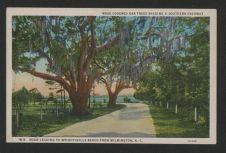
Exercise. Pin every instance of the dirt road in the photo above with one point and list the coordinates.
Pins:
(132, 121)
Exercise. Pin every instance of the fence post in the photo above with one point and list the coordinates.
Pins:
(167, 105)
(195, 114)
(41, 111)
(176, 108)
(17, 117)
(94, 103)
(57, 107)
(69, 109)
(160, 103)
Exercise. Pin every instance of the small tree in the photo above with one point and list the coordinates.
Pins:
(35, 95)
(51, 97)
(20, 98)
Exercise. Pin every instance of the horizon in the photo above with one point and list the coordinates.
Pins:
(29, 82)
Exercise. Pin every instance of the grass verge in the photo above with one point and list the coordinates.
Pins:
(32, 126)
(170, 125)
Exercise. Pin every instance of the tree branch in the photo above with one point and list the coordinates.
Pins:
(108, 44)
(92, 50)
(106, 84)
(91, 79)
(122, 86)
(147, 60)
(82, 53)
(70, 79)
(45, 76)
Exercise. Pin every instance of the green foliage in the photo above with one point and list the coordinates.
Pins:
(169, 125)
(20, 98)
(178, 74)
(184, 78)
(35, 95)
(32, 125)
(126, 99)
(57, 38)
(51, 97)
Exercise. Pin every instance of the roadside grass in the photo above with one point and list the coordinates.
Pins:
(170, 125)
(32, 126)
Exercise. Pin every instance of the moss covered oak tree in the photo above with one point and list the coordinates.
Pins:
(68, 46)
(143, 40)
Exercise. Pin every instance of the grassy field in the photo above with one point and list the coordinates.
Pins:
(168, 124)
(31, 125)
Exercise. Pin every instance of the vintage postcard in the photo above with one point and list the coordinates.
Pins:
(107, 75)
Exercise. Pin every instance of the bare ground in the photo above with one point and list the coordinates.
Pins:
(132, 121)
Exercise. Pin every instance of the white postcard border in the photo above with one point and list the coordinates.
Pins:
(114, 12)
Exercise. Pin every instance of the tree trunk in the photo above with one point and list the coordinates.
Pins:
(79, 99)
(112, 99)
(79, 102)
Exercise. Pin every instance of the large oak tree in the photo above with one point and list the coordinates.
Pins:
(143, 40)
(69, 45)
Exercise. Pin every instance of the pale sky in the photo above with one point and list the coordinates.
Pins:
(29, 81)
